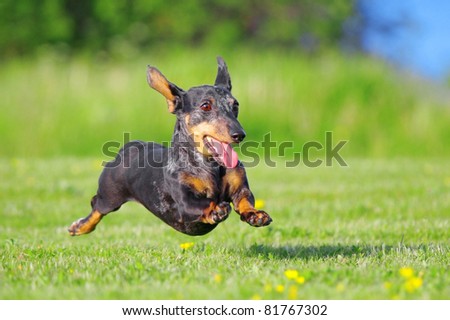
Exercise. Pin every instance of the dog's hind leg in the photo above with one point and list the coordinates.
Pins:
(85, 225)
(100, 208)
(112, 189)
(110, 196)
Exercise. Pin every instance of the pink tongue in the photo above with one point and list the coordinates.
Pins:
(226, 153)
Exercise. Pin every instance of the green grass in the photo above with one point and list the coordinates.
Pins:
(347, 231)
(58, 106)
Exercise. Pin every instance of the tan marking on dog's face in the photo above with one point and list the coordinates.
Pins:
(215, 129)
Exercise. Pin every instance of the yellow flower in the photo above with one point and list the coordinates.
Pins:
(259, 204)
(291, 274)
(292, 293)
(218, 278)
(406, 272)
(413, 284)
(256, 297)
(186, 245)
(416, 282)
(279, 288)
(300, 280)
(387, 285)
(340, 287)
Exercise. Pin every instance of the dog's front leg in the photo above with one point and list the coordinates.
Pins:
(205, 210)
(235, 188)
(198, 201)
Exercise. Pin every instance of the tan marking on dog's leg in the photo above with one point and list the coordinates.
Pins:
(252, 216)
(206, 216)
(85, 225)
(215, 213)
(244, 206)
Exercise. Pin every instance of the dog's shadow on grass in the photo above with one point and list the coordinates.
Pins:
(316, 252)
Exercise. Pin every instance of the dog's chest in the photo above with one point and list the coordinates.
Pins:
(201, 184)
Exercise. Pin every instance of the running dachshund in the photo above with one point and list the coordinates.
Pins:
(190, 184)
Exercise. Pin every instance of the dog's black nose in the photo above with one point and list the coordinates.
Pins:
(238, 136)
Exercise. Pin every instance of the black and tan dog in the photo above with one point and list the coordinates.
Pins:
(190, 184)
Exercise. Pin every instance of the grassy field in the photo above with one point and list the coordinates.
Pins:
(60, 106)
(378, 229)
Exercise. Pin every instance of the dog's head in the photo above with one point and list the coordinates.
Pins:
(209, 113)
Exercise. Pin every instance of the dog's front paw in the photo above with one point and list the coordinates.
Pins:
(216, 213)
(221, 212)
(256, 218)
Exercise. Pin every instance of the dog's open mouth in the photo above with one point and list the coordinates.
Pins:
(222, 152)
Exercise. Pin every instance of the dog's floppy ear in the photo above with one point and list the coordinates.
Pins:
(171, 92)
(223, 77)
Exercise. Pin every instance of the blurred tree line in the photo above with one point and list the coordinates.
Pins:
(311, 25)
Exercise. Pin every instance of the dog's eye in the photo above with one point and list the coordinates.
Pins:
(236, 107)
(206, 106)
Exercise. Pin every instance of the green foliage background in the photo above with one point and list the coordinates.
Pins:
(108, 25)
(53, 105)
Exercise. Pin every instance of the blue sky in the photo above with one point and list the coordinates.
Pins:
(418, 37)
